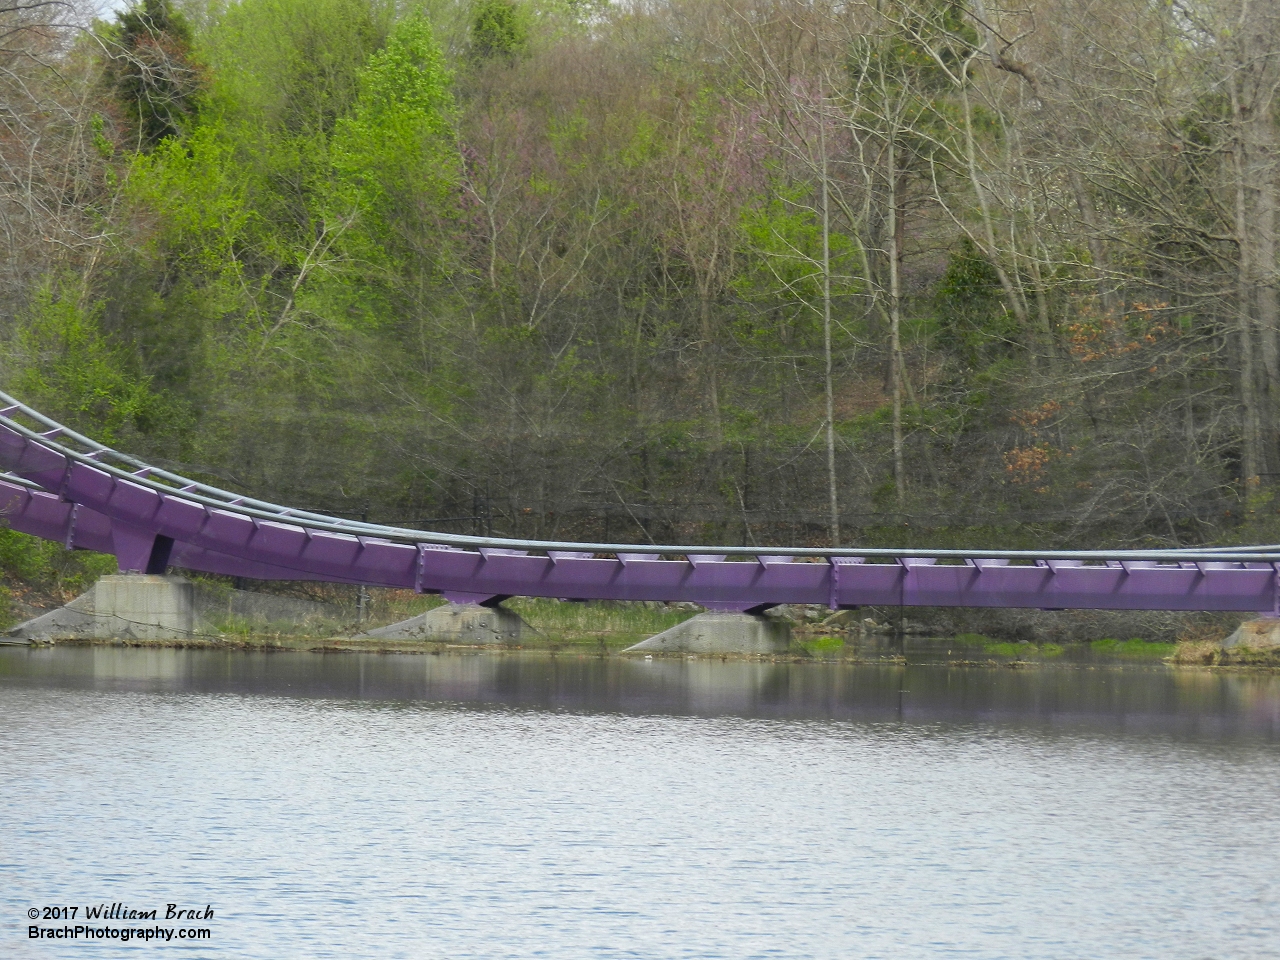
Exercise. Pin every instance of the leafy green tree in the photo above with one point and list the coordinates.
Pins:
(72, 370)
(291, 67)
(154, 73)
(395, 158)
(285, 72)
(499, 30)
(47, 567)
(972, 316)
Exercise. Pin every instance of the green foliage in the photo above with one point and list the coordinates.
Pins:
(499, 30)
(45, 567)
(199, 198)
(395, 162)
(971, 314)
(154, 74)
(289, 218)
(826, 646)
(1200, 129)
(1136, 648)
(1004, 648)
(340, 300)
(782, 270)
(929, 48)
(285, 73)
(607, 623)
(106, 149)
(290, 68)
(70, 369)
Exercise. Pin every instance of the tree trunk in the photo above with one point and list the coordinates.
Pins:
(1253, 77)
(1097, 251)
(895, 318)
(1250, 452)
(1267, 309)
(712, 367)
(1017, 306)
(826, 341)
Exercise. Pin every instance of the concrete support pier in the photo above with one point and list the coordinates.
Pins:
(1260, 634)
(460, 623)
(715, 632)
(127, 606)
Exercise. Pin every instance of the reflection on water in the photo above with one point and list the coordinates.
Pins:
(352, 806)
(1155, 698)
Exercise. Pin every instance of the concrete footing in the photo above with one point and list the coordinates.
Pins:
(1260, 634)
(140, 607)
(720, 633)
(120, 607)
(461, 623)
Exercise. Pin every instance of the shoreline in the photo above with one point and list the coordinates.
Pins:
(1197, 656)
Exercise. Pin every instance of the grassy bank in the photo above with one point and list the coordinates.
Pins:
(598, 623)
(1208, 654)
(813, 647)
(603, 623)
(1106, 648)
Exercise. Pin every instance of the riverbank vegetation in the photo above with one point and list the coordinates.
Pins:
(37, 574)
(743, 271)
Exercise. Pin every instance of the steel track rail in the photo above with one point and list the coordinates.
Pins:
(135, 471)
(72, 489)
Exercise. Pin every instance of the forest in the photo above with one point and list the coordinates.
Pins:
(881, 272)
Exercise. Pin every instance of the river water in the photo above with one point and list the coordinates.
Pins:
(530, 806)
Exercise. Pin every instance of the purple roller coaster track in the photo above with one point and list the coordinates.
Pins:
(67, 488)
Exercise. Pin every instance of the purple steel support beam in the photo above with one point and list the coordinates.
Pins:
(138, 549)
(151, 519)
(744, 585)
(49, 517)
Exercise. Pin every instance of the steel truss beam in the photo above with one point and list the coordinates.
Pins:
(68, 488)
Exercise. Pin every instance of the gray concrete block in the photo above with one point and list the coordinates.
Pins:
(715, 632)
(464, 623)
(74, 621)
(135, 606)
(121, 607)
(1260, 634)
(145, 607)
